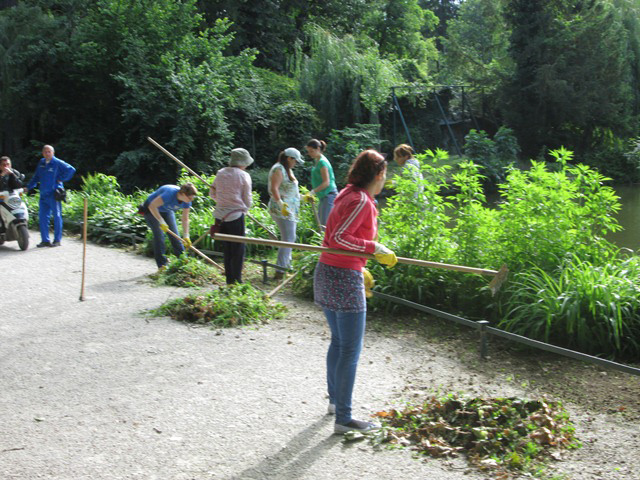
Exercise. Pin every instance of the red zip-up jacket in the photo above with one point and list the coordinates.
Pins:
(352, 225)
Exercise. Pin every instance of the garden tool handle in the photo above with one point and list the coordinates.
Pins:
(197, 251)
(316, 248)
(183, 165)
(178, 161)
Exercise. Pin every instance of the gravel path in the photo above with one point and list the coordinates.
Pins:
(96, 390)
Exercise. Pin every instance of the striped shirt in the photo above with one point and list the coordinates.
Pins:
(352, 225)
(232, 193)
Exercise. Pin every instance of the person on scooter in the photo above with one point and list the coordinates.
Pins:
(10, 179)
(50, 174)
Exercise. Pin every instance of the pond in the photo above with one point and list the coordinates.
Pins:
(628, 217)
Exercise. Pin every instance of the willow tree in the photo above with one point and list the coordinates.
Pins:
(346, 81)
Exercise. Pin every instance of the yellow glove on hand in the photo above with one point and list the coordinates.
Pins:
(186, 241)
(385, 256)
(164, 227)
(309, 197)
(284, 208)
(369, 282)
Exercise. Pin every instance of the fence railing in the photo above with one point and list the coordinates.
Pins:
(484, 330)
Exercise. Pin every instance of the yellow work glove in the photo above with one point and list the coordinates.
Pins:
(369, 282)
(164, 227)
(384, 255)
(186, 241)
(284, 208)
(309, 197)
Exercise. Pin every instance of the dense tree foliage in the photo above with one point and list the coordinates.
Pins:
(97, 78)
(571, 72)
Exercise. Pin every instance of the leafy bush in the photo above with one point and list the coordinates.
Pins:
(343, 146)
(494, 156)
(111, 211)
(542, 215)
(229, 306)
(595, 309)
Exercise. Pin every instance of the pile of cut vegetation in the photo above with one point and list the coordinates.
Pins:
(186, 271)
(499, 434)
(228, 306)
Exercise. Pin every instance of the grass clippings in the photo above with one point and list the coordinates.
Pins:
(186, 271)
(228, 306)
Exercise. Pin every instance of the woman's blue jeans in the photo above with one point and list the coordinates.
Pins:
(158, 236)
(287, 234)
(347, 334)
(325, 206)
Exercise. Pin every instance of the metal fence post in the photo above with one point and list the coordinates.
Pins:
(483, 338)
(265, 275)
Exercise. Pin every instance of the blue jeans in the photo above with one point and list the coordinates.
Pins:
(158, 236)
(347, 333)
(48, 207)
(287, 234)
(325, 206)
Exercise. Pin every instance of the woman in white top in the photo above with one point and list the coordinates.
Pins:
(232, 192)
(284, 204)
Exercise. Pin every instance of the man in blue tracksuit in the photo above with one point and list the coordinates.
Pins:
(51, 172)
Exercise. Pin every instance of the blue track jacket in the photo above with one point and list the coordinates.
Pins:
(51, 176)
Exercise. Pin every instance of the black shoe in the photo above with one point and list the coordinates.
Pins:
(43, 244)
(55, 244)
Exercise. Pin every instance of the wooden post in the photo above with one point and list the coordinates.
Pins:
(84, 246)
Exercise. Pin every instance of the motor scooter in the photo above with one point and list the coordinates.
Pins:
(14, 218)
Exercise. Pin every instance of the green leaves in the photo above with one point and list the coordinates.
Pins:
(229, 306)
(592, 308)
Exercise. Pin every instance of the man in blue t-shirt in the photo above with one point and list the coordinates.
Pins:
(50, 174)
(159, 211)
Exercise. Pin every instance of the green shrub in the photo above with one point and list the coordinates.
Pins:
(494, 156)
(343, 146)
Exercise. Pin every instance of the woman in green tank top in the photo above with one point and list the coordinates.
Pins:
(323, 182)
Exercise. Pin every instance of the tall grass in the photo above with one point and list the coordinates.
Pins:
(594, 309)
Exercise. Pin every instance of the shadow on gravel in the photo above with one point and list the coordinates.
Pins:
(295, 457)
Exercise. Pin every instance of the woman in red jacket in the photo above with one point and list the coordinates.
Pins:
(339, 280)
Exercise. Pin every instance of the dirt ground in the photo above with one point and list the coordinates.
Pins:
(96, 389)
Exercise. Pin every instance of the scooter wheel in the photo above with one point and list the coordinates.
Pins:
(23, 237)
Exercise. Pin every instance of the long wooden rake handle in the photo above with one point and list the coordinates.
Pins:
(183, 165)
(494, 285)
(197, 251)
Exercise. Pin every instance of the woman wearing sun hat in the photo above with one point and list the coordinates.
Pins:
(284, 204)
(232, 192)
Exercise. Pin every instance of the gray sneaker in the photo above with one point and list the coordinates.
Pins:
(331, 409)
(355, 426)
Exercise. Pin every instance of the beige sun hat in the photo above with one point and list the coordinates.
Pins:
(240, 158)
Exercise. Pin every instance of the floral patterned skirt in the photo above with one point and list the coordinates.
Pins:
(339, 289)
